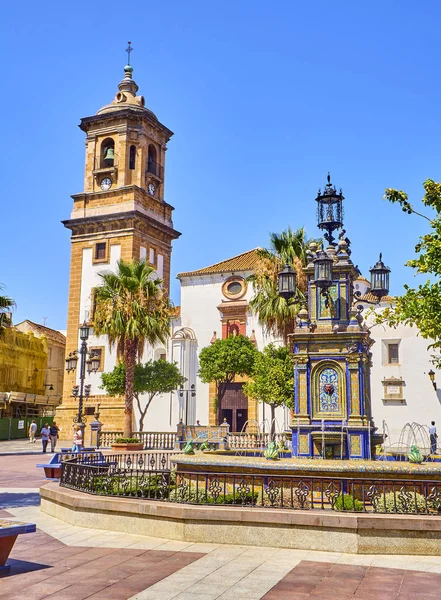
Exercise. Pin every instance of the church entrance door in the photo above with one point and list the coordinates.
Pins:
(234, 407)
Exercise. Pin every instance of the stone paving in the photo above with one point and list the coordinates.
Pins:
(63, 562)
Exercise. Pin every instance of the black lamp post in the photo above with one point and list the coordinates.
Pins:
(287, 282)
(379, 279)
(93, 365)
(431, 374)
(192, 391)
(329, 210)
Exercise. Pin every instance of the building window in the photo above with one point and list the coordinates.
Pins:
(89, 410)
(132, 158)
(392, 354)
(99, 353)
(100, 252)
(152, 257)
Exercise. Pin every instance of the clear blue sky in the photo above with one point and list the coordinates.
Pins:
(264, 98)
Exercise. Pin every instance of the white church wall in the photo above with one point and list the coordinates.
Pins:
(90, 279)
(420, 402)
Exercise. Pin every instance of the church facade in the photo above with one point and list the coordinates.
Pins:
(123, 213)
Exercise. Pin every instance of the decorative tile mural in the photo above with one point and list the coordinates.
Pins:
(329, 391)
(303, 443)
(355, 445)
(330, 311)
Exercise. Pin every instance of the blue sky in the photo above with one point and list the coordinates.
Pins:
(264, 98)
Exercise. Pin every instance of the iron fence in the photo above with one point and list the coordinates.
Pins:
(149, 476)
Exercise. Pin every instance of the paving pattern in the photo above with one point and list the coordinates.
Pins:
(63, 562)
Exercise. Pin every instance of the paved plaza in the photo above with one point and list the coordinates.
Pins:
(63, 562)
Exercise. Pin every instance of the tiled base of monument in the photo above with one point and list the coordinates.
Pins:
(311, 530)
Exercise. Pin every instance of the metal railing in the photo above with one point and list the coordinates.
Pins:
(152, 440)
(146, 476)
(155, 169)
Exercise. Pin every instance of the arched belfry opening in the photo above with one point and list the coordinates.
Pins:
(152, 163)
(107, 154)
(132, 157)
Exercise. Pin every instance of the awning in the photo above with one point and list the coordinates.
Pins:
(29, 399)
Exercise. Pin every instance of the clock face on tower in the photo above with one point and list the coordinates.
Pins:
(105, 184)
(151, 189)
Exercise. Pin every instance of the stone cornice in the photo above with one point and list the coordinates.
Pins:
(88, 196)
(119, 221)
(125, 114)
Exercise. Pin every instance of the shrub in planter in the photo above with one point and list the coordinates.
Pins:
(349, 503)
(401, 502)
(146, 486)
(123, 440)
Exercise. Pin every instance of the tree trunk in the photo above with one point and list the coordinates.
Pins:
(273, 422)
(130, 361)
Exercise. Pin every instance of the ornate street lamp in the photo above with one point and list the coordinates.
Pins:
(92, 364)
(431, 374)
(329, 210)
(287, 282)
(192, 391)
(379, 279)
(323, 270)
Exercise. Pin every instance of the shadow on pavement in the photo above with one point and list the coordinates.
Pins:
(22, 566)
(11, 500)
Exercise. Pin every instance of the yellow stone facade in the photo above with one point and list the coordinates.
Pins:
(122, 204)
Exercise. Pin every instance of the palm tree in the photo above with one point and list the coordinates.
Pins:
(276, 314)
(6, 305)
(131, 309)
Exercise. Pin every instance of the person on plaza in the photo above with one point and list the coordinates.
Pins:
(54, 430)
(433, 438)
(32, 431)
(45, 433)
(77, 439)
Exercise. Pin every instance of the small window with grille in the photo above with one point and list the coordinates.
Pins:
(393, 353)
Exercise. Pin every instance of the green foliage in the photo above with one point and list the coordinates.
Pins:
(276, 314)
(147, 486)
(348, 502)
(127, 440)
(202, 497)
(152, 378)
(222, 361)
(6, 305)
(131, 309)
(401, 502)
(421, 306)
(272, 378)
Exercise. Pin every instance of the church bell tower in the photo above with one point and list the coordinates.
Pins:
(121, 214)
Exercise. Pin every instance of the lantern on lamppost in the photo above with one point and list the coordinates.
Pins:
(323, 270)
(329, 210)
(287, 282)
(431, 374)
(379, 279)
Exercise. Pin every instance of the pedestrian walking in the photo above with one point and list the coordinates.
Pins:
(45, 433)
(54, 430)
(32, 432)
(77, 439)
(433, 438)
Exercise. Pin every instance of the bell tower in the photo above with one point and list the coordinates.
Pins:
(121, 214)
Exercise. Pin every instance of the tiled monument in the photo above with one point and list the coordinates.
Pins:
(331, 347)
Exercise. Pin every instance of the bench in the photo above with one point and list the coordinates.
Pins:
(85, 449)
(215, 437)
(52, 469)
(9, 530)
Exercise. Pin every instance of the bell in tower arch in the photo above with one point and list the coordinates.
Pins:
(109, 156)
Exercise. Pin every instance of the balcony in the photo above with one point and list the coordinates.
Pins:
(155, 169)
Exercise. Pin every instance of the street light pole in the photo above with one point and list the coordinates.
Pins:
(93, 364)
(192, 390)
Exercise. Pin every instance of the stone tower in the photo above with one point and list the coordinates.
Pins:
(121, 214)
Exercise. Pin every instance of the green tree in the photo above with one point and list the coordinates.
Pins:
(131, 309)
(222, 361)
(421, 306)
(272, 380)
(276, 314)
(6, 305)
(152, 378)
